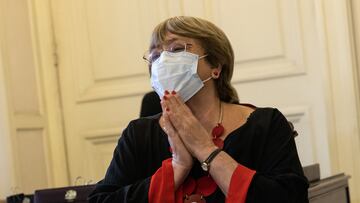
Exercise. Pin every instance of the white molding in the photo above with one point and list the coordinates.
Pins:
(265, 69)
(93, 87)
(291, 62)
(300, 115)
(44, 49)
(108, 89)
(27, 122)
(354, 8)
(295, 113)
(40, 119)
(99, 145)
(95, 134)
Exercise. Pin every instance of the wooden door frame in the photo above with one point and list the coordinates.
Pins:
(336, 37)
(45, 48)
(354, 10)
(355, 16)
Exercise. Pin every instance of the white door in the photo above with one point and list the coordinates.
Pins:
(103, 78)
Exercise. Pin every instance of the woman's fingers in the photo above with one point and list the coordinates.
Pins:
(172, 99)
(179, 115)
(175, 99)
(180, 153)
(167, 126)
(176, 109)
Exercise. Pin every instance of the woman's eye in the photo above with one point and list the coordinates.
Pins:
(177, 49)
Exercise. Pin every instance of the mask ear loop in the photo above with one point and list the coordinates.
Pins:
(207, 79)
(214, 75)
(203, 56)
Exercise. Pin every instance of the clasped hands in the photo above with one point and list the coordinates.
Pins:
(187, 137)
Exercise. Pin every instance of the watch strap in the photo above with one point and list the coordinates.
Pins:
(211, 157)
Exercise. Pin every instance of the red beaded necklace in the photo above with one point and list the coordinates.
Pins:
(196, 190)
(218, 130)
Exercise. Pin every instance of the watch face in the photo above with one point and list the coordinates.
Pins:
(205, 166)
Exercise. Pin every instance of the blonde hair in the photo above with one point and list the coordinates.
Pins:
(215, 43)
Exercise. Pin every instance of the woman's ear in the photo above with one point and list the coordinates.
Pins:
(215, 72)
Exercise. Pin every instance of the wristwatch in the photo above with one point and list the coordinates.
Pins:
(205, 165)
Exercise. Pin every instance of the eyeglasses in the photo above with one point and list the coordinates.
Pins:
(152, 55)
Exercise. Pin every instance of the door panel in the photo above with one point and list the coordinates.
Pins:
(276, 65)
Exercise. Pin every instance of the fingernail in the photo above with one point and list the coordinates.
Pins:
(173, 92)
(167, 109)
(167, 92)
(164, 97)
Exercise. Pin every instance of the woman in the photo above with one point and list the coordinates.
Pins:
(205, 146)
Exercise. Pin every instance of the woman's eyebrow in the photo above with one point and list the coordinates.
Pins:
(177, 40)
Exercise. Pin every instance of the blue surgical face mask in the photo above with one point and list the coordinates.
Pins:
(177, 71)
